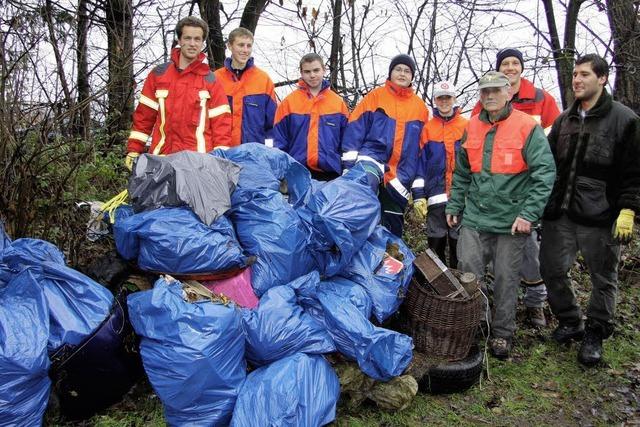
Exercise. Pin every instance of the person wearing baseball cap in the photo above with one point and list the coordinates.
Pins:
(386, 133)
(444, 132)
(503, 177)
(540, 105)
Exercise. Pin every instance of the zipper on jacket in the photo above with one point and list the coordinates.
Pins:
(572, 169)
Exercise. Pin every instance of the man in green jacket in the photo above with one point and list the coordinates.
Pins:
(503, 177)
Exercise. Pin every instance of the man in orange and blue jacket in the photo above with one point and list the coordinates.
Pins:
(250, 91)
(444, 132)
(386, 130)
(310, 122)
(182, 105)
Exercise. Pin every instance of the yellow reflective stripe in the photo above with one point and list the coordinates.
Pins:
(161, 95)
(139, 136)
(148, 102)
(221, 109)
(204, 96)
(538, 119)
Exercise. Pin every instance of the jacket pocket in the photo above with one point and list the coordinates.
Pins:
(590, 199)
(507, 157)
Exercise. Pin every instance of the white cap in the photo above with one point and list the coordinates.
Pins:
(444, 88)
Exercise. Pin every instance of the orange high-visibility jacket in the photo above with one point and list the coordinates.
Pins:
(253, 103)
(388, 128)
(439, 156)
(310, 128)
(181, 110)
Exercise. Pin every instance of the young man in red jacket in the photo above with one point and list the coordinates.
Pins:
(311, 120)
(540, 105)
(182, 106)
(250, 91)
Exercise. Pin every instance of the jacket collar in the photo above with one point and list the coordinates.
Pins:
(403, 92)
(438, 116)
(305, 88)
(227, 64)
(527, 90)
(602, 106)
(198, 66)
(506, 112)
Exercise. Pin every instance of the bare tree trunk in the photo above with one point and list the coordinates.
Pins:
(48, 16)
(119, 26)
(336, 42)
(625, 28)
(564, 56)
(251, 14)
(83, 117)
(210, 12)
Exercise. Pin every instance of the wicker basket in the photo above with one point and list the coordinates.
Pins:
(442, 327)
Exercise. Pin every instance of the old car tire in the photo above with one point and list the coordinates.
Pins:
(453, 377)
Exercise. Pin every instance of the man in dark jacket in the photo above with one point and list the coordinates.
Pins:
(596, 147)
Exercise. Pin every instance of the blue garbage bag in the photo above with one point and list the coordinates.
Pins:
(263, 167)
(307, 294)
(174, 240)
(279, 326)
(380, 353)
(370, 267)
(24, 364)
(77, 304)
(32, 251)
(298, 391)
(341, 214)
(193, 353)
(269, 228)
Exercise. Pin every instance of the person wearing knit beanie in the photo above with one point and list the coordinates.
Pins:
(405, 60)
(506, 53)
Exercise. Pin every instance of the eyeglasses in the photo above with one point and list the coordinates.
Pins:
(402, 70)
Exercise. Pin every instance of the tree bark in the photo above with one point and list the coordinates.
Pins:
(251, 14)
(83, 117)
(210, 12)
(119, 27)
(336, 43)
(625, 29)
(564, 56)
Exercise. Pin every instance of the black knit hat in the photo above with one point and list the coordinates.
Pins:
(404, 60)
(507, 52)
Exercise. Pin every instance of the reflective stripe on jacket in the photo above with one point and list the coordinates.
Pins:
(534, 101)
(503, 170)
(388, 127)
(310, 128)
(439, 156)
(253, 104)
(181, 110)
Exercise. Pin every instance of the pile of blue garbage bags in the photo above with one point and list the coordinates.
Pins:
(320, 266)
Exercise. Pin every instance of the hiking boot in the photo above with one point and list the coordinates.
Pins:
(590, 352)
(535, 317)
(566, 332)
(500, 347)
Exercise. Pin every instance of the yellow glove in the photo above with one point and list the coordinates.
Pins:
(130, 159)
(623, 229)
(420, 208)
